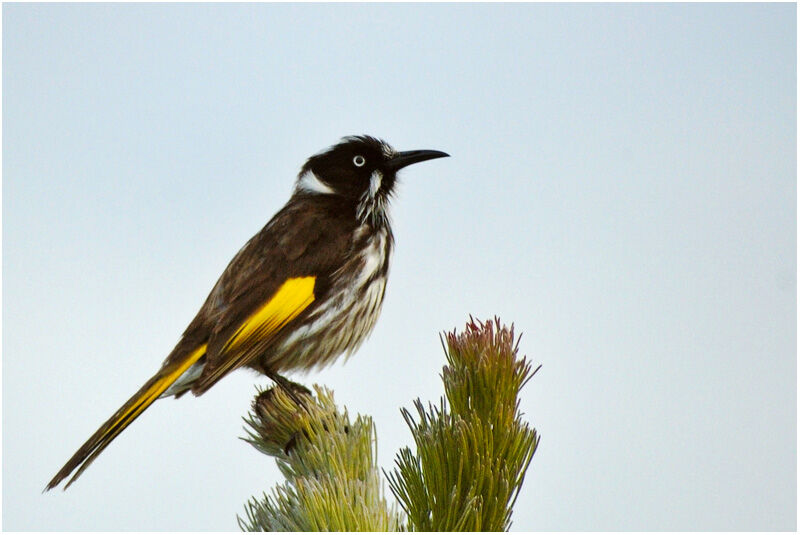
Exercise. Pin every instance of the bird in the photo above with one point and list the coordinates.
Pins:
(303, 291)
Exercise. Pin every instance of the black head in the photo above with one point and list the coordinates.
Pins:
(360, 168)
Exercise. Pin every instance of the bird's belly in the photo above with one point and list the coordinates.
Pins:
(339, 328)
(344, 320)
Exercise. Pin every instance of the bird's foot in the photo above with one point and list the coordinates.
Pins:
(290, 387)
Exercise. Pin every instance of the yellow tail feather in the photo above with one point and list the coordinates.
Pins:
(126, 414)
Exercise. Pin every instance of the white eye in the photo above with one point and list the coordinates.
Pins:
(359, 161)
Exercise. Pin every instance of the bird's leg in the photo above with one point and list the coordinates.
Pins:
(288, 386)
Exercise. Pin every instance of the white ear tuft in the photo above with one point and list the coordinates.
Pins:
(310, 183)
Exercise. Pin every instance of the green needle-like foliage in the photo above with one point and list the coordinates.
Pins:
(472, 453)
(332, 481)
(472, 450)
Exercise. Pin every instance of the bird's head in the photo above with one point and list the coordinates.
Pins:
(360, 169)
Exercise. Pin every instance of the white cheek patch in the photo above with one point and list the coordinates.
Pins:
(375, 183)
(371, 205)
(309, 182)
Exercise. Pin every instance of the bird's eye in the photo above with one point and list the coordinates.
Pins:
(359, 161)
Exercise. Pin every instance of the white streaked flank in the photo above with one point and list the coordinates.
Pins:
(344, 321)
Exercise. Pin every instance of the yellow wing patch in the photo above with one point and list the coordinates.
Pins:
(291, 299)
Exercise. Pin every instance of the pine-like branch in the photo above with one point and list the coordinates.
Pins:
(332, 481)
(473, 451)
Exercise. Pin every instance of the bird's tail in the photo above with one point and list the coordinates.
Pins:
(124, 417)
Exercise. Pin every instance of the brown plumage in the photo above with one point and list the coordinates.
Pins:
(305, 289)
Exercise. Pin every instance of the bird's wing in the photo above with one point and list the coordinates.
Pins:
(280, 274)
(273, 282)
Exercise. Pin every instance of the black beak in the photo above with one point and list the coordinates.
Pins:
(402, 159)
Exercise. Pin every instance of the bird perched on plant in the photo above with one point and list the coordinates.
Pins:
(304, 290)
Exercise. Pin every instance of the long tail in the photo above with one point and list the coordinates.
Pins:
(124, 417)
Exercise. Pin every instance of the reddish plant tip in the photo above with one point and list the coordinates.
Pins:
(489, 333)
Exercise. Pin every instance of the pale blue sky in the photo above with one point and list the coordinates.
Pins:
(622, 186)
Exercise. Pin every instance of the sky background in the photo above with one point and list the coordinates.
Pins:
(622, 187)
